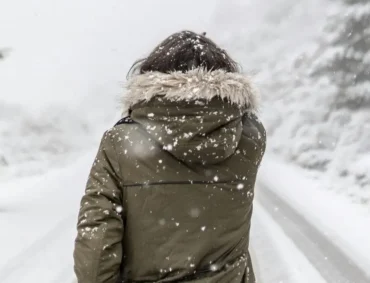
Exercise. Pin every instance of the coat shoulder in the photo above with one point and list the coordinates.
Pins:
(122, 130)
(251, 120)
(253, 125)
(125, 120)
(254, 134)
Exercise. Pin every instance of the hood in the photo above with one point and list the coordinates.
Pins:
(196, 116)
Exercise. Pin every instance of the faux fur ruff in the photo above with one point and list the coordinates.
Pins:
(193, 85)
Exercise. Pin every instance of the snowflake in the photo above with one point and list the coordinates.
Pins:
(240, 186)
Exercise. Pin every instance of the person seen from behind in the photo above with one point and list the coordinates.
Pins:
(170, 193)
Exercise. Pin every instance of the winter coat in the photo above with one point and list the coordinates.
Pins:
(169, 196)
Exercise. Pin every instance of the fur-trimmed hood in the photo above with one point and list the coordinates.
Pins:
(196, 84)
(198, 115)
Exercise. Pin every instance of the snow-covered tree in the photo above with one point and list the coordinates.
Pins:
(346, 60)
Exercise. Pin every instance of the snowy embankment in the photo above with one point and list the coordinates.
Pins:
(344, 223)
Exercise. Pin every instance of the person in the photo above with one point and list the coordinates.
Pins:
(170, 194)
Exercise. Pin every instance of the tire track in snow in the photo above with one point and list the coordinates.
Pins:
(326, 257)
(274, 254)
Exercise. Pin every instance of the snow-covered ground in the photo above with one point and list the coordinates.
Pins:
(59, 90)
(275, 256)
(39, 216)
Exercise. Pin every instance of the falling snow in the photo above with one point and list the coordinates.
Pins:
(119, 209)
(316, 141)
(240, 186)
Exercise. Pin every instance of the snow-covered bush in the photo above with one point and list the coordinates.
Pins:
(33, 142)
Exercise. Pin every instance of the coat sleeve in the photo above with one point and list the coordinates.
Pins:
(98, 250)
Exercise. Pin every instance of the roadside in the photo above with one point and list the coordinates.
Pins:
(344, 223)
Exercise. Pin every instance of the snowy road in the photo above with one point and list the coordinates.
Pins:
(285, 246)
(328, 260)
(48, 259)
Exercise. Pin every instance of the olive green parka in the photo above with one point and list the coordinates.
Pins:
(170, 194)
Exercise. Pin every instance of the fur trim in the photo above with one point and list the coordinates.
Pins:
(193, 85)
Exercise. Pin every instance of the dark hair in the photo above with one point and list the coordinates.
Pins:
(184, 51)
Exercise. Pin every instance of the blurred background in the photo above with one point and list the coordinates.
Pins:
(63, 65)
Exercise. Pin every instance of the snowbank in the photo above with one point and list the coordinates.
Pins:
(343, 222)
